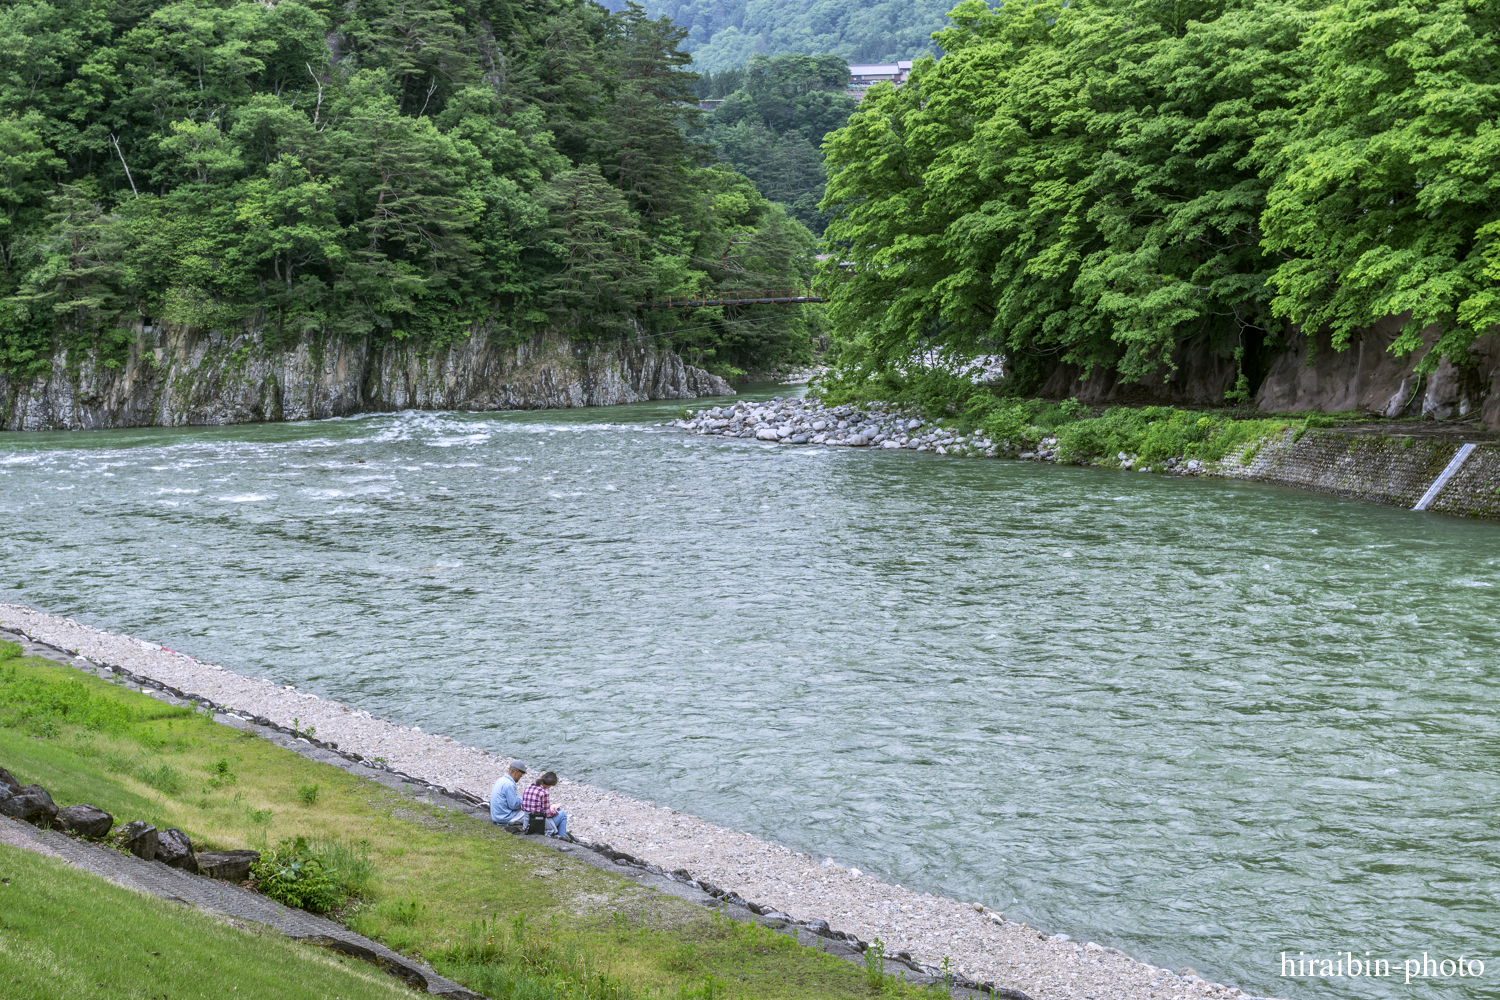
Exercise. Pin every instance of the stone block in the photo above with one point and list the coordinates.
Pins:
(85, 820)
(32, 804)
(231, 866)
(175, 850)
(139, 838)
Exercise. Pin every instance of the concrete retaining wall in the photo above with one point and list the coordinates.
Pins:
(1392, 470)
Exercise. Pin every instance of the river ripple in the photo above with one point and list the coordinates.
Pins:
(1205, 722)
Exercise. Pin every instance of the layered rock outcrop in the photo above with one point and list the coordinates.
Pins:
(1308, 374)
(177, 376)
(1366, 376)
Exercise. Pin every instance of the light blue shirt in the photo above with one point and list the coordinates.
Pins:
(505, 802)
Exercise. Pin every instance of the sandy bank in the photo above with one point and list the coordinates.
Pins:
(980, 943)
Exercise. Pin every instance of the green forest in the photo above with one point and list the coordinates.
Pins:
(724, 34)
(1097, 182)
(395, 168)
(771, 126)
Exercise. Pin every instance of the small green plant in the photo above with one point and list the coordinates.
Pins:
(44, 728)
(940, 988)
(83, 746)
(163, 778)
(406, 912)
(1408, 441)
(308, 794)
(351, 859)
(314, 877)
(683, 958)
(875, 964)
(294, 875)
(219, 774)
(712, 989)
(260, 817)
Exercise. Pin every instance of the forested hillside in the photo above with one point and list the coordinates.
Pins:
(772, 123)
(1099, 182)
(723, 34)
(401, 168)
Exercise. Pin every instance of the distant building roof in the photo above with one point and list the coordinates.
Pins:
(869, 73)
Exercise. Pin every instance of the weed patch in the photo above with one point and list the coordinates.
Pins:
(163, 778)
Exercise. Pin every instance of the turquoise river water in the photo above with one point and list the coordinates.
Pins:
(1206, 722)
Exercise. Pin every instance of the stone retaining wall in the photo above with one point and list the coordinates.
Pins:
(1374, 467)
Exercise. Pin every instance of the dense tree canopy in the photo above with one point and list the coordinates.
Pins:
(403, 168)
(1095, 182)
(723, 34)
(771, 127)
(1387, 181)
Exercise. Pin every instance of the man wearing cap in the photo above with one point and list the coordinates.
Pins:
(505, 801)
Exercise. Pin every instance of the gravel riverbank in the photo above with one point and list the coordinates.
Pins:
(807, 421)
(981, 943)
(880, 425)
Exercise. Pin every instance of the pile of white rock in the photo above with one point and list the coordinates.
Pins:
(807, 421)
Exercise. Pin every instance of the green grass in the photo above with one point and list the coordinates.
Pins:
(1157, 433)
(1087, 435)
(66, 933)
(435, 879)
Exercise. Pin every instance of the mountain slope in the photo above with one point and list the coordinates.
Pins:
(726, 33)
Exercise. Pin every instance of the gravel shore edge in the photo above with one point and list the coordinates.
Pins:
(981, 944)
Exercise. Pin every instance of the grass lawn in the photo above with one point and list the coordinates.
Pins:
(507, 917)
(67, 933)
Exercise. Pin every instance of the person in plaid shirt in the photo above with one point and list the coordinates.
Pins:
(536, 801)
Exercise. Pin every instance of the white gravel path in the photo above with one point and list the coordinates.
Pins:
(980, 943)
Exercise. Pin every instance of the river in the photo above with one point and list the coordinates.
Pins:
(1203, 721)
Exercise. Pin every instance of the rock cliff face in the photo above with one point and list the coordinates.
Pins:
(177, 376)
(1365, 376)
(1201, 377)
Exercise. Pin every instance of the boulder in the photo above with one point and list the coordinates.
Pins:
(32, 804)
(85, 820)
(175, 850)
(232, 866)
(139, 838)
(8, 784)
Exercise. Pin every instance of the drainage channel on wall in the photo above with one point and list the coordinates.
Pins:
(1444, 476)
